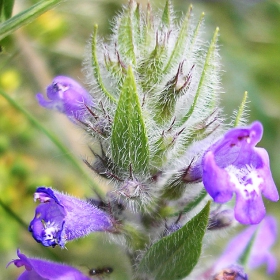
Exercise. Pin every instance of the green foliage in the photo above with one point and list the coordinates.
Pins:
(17, 21)
(6, 8)
(129, 138)
(174, 256)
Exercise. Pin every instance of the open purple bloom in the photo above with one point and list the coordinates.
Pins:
(67, 96)
(234, 165)
(37, 269)
(265, 237)
(60, 218)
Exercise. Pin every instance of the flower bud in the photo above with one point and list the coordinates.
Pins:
(68, 97)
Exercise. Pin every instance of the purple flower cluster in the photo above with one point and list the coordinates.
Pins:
(230, 166)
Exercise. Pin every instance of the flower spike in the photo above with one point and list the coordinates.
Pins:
(234, 165)
(60, 218)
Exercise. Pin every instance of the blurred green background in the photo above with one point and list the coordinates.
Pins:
(54, 44)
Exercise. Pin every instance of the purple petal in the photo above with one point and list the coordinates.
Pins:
(269, 189)
(216, 180)
(60, 218)
(37, 269)
(234, 165)
(249, 211)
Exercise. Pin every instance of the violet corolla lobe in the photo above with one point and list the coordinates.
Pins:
(37, 269)
(234, 165)
(60, 218)
(68, 97)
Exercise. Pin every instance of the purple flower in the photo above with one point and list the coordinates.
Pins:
(68, 97)
(265, 237)
(60, 218)
(37, 269)
(234, 165)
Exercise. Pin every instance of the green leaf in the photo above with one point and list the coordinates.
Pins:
(6, 8)
(15, 22)
(129, 138)
(175, 256)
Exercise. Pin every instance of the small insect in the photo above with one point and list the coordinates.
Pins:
(99, 272)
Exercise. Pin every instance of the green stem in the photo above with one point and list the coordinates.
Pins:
(192, 204)
(55, 140)
(25, 17)
(14, 215)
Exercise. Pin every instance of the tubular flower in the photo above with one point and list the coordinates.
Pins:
(60, 218)
(234, 165)
(37, 269)
(264, 234)
(68, 97)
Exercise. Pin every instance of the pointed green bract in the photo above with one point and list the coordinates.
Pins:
(129, 138)
(127, 33)
(150, 69)
(241, 113)
(180, 43)
(166, 20)
(174, 256)
(207, 68)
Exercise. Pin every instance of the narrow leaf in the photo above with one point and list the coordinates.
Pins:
(166, 16)
(180, 43)
(206, 68)
(126, 33)
(129, 138)
(15, 22)
(241, 113)
(244, 258)
(175, 256)
(6, 8)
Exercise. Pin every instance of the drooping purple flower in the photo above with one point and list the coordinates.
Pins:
(37, 269)
(265, 236)
(234, 165)
(60, 218)
(68, 97)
